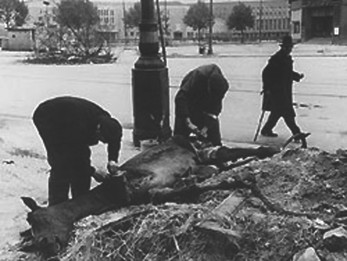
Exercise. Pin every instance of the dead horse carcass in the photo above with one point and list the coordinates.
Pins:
(156, 168)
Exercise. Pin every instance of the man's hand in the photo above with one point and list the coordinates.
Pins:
(101, 176)
(191, 126)
(212, 116)
(203, 132)
(112, 167)
(298, 77)
(194, 129)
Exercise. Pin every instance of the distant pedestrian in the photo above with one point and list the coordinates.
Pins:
(199, 103)
(278, 77)
(68, 126)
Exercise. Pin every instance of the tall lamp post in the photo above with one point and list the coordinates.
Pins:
(260, 18)
(150, 83)
(46, 4)
(124, 25)
(210, 51)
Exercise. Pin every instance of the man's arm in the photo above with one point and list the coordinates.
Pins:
(181, 102)
(297, 76)
(113, 149)
(112, 164)
(182, 111)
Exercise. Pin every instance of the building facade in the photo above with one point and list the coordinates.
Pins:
(319, 19)
(272, 19)
(111, 25)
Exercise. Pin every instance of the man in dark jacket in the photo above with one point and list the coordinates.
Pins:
(199, 103)
(68, 126)
(278, 77)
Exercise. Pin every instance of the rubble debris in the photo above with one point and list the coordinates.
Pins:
(336, 239)
(308, 254)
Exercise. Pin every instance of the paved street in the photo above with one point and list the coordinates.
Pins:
(321, 97)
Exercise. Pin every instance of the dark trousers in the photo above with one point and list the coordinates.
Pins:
(213, 133)
(70, 170)
(273, 119)
(70, 162)
(61, 181)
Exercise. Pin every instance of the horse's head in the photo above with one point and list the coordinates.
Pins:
(49, 226)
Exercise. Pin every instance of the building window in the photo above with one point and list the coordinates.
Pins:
(296, 27)
(284, 24)
(178, 35)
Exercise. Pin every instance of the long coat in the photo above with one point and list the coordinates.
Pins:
(71, 122)
(278, 77)
(202, 91)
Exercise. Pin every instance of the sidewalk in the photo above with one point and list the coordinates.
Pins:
(258, 50)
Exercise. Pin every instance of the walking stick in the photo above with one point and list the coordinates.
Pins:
(162, 40)
(259, 125)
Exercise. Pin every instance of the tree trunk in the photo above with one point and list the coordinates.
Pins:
(199, 36)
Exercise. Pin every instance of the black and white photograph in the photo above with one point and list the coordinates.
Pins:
(186, 130)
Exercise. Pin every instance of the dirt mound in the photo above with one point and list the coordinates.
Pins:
(302, 196)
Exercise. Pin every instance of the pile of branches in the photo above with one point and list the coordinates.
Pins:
(99, 56)
(272, 219)
(165, 232)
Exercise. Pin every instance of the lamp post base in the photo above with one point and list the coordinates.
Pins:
(151, 104)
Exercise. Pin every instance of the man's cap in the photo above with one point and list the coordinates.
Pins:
(110, 128)
(287, 41)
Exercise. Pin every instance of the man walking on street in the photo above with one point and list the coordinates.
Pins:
(68, 126)
(199, 103)
(278, 77)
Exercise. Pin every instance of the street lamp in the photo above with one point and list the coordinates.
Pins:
(260, 18)
(210, 51)
(46, 3)
(150, 83)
